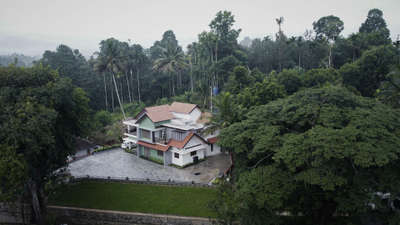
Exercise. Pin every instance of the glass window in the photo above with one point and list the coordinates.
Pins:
(160, 153)
(212, 147)
(176, 155)
(145, 134)
(193, 153)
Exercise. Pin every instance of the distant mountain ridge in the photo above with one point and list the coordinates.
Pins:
(19, 59)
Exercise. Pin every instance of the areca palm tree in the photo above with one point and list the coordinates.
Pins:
(138, 58)
(172, 60)
(109, 60)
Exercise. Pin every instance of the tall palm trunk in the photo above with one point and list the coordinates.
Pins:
(129, 89)
(173, 85)
(330, 55)
(132, 84)
(121, 89)
(119, 100)
(191, 76)
(138, 83)
(105, 90)
(112, 96)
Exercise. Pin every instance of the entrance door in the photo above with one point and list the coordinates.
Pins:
(195, 159)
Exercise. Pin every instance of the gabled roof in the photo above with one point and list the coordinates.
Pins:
(158, 147)
(212, 140)
(157, 113)
(164, 112)
(182, 144)
(180, 107)
(171, 143)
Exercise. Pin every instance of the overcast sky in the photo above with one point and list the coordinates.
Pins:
(33, 26)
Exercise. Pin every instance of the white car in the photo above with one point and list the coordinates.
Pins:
(124, 145)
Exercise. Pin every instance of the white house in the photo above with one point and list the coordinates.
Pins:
(170, 134)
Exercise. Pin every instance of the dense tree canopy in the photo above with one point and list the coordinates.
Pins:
(40, 117)
(317, 152)
(311, 121)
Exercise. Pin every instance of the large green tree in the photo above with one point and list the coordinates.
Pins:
(375, 24)
(41, 116)
(328, 27)
(367, 73)
(319, 153)
(72, 64)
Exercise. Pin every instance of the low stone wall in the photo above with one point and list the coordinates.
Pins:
(12, 213)
(80, 216)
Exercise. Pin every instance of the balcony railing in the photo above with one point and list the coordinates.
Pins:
(132, 133)
(159, 140)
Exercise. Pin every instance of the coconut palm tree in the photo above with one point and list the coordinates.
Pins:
(172, 59)
(110, 60)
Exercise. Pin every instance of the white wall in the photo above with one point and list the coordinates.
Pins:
(184, 154)
(210, 135)
(195, 114)
(181, 115)
(216, 150)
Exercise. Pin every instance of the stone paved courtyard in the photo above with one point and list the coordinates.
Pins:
(118, 163)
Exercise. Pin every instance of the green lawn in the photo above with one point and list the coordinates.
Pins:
(183, 201)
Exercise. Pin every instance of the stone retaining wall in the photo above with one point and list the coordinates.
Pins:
(12, 213)
(80, 216)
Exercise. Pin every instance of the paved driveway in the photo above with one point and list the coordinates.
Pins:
(118, 163)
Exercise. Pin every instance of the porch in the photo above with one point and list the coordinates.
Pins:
(155, 155)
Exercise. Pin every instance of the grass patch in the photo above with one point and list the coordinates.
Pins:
(183, 201)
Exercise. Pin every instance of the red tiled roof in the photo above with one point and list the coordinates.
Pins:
(212, 140)
(158, 147)
(180, 107)
(159, 113)
(180, 144)
(171, 143)
(163, 112)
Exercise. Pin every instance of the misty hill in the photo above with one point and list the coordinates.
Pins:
(20, 59)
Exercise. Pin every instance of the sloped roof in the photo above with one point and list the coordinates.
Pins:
(180, 107)
(181, 144)
(212, 140)
(164, 112)
(159, 113)
(171, 143)
(158, 147)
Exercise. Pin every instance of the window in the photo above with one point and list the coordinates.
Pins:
(212, 147)
(176, 155)
(193, 153)
(178, 135)
(145, 134)
(160, 153)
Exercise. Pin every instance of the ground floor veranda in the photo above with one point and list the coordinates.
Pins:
(171, 157)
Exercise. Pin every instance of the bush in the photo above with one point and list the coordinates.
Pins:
(105, 148)
(102, 118)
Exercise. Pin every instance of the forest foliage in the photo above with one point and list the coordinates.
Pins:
(312, 121)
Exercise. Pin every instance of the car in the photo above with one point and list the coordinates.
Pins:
(124, 145)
